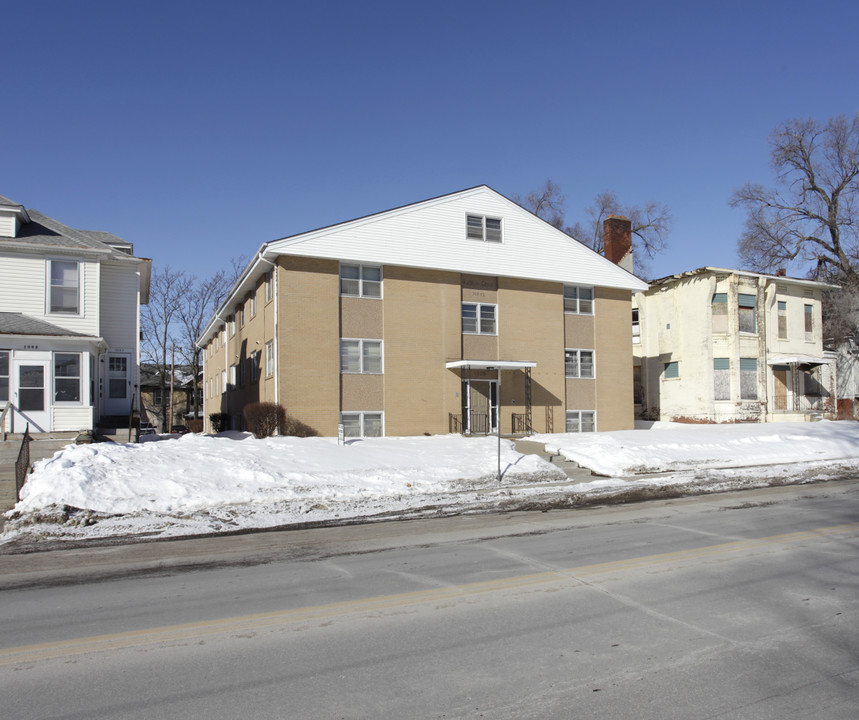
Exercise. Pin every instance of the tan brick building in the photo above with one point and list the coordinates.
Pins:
(448, 315)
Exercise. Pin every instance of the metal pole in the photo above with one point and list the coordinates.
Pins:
(172, 376)
(498, 420)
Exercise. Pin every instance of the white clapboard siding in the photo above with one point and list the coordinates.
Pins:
(432, 234)
(119, 286)
(7, 226)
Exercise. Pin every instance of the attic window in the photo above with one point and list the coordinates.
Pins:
(480, 227)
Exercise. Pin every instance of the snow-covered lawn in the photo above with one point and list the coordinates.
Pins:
(196, 484)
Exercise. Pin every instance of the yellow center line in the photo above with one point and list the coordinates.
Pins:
(195, 630)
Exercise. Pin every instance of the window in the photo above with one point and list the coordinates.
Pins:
(720, 313)
(636, 327)
(222, 388)
(240, 315)
(748, 322)
(579, 363)
(579, 300)
(782, 320)
(361, 356)
(4, 376)
(232, 321)
(721, 379)
(748, 378)
(269, 357)
(809, 322)
(254, 362)
(478, 318)
(361, 280)
(156, 395)
(253, 304)
(234, 371)
(672, 370)
(65, 287)
(362, 424)
(479, 227)
(581, 421)
(269, 285)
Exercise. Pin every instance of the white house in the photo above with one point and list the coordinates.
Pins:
(717, 345)
(69, 323)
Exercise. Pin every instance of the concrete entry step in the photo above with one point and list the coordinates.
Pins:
(572, 469)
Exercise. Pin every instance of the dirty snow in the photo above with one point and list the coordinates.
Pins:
(197, 484)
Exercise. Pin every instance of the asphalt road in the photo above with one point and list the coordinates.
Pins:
(742, 605)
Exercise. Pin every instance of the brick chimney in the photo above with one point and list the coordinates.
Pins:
(617, 240)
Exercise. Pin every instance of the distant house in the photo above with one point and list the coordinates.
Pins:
(153, 398)
(69, 322)
(464, 313)
(717, 345)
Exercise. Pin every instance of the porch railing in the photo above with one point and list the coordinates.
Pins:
(478, 424)
(804, 403)
(22, 464)
(3, 418)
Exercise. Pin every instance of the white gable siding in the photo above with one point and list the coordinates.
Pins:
(433, 235)
(7, 226)
(119, 318)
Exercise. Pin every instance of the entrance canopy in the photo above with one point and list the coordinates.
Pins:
(491, 364)
(798, 359)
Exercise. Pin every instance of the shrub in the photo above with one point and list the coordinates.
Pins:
(263, 418)
(294, 426)
(220, 421)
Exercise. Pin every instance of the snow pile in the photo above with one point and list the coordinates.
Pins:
(670, 447)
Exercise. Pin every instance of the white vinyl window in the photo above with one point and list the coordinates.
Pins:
(362, 424)
(67, 377)
(479, 319)
(578, 300)
(64, 290)
(361, 356)
(269, 285)
(581, 421)
(579, 363)
(361, 280)
(269, 357)
(480, 227)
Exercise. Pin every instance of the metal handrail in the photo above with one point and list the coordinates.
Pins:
(22, 464)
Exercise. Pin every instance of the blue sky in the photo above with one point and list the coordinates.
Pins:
(198, 131)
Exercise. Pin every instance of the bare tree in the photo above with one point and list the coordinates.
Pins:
(651, 222)
(158, 319)
(200, 300)
(808, 221)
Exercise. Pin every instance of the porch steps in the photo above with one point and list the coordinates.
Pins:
(44, 445)
(571, 468)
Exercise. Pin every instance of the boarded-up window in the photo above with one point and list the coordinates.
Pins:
(748, 378)
(720, 313)
(747, 313)
(782, 320)
(809, 322)
(721, 379)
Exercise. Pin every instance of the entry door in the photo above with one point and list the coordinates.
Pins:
(31, 395)
(117, 384)
(781, 389)
(482, 411)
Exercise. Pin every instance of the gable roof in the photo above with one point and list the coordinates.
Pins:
(710, 270)
(431, 234)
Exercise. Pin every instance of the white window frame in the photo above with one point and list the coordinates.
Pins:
(78, 377)
(578, 353)
(232, 320)
(269, 358)
(7, 375)
(361, 415)
(49, 287)
(477, 227)
(253, 299)
(573, 300)
(578, 417)
(269, 285)
(362, 343)
(363, 283)
(478, 319)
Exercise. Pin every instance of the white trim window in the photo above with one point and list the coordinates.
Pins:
(361, 280)
(253, 299)
(360, 356)
(480, 227)
(581, 421)
(64, 287)
(579, 363)
(269, 358)
(578, 300)
(67, 377)
(4, 376)
(232, 321)
(269, 285)
(362, 424)
(479, 319)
